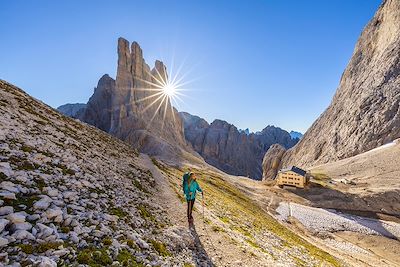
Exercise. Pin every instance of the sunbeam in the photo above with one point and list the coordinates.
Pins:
(164, 92)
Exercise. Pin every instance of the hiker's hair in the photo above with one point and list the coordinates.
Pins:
(189, 180)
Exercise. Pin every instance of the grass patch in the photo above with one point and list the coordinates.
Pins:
(224, 219)
(217, 229)
(65, 170)
(127, 259)
(107, 241)
(145, 213)
(39, 248)
(252, 243)
(26, 248)
(139, 186)
(131, 243)
(118, 212)
(25, 165)
(160, 248)
(3, 177)
(26, 148)
(40, 183)
(94, 257)
(65, 229)
(26, 200)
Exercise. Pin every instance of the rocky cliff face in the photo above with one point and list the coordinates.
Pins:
(130, 109)
(364, 112)
(222, 145)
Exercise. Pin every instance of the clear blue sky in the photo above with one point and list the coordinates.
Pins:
(255, 62)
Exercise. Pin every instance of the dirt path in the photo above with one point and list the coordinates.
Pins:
(211, 248)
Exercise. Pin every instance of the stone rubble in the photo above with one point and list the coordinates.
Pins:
(71, 194)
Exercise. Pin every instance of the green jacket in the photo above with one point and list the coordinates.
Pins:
(192, 188)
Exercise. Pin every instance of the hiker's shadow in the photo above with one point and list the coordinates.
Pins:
(200, 256)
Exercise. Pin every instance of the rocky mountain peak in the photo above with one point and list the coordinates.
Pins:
(159, 72)
(126, 108)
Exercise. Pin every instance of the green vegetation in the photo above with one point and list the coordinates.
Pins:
(145, 213)
(26, 200)
(94, 257)
(107, 241)
(65, 170)
(118, 212)
(160, 248)
(26, 148)
(216, 228)
(3, 177)
(252, 243)
(127, 259)
(65, 229)
(139, 186)
(40, 183)
(187, 265)
(131, 243)
(224, 219)
(39, 248)
(26, 248)
(159, 165)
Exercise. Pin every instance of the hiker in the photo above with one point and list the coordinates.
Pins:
(190, 188)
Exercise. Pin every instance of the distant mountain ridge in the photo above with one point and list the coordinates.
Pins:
(234, 151)
(71, 110)
(295, 135)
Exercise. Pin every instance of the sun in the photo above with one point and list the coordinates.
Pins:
(169, 90)
(165, 91)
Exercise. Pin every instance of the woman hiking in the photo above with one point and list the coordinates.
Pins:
(190, 188)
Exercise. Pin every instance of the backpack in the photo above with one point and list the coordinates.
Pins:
(184, 182)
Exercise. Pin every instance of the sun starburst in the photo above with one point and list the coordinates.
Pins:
(165, 91)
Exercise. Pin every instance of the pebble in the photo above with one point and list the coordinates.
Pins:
(42, 204)
(47, 262)
(17, 217)
(21, 179)
(3, 223)
(7, 195)
(6, 210)
(51, 213)
(44, 230)
(22, 226)
(33, 217)
(9, 186)
(3, 242)
(23, 234)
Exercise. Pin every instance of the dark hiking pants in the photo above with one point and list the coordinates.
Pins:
(190, 204)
